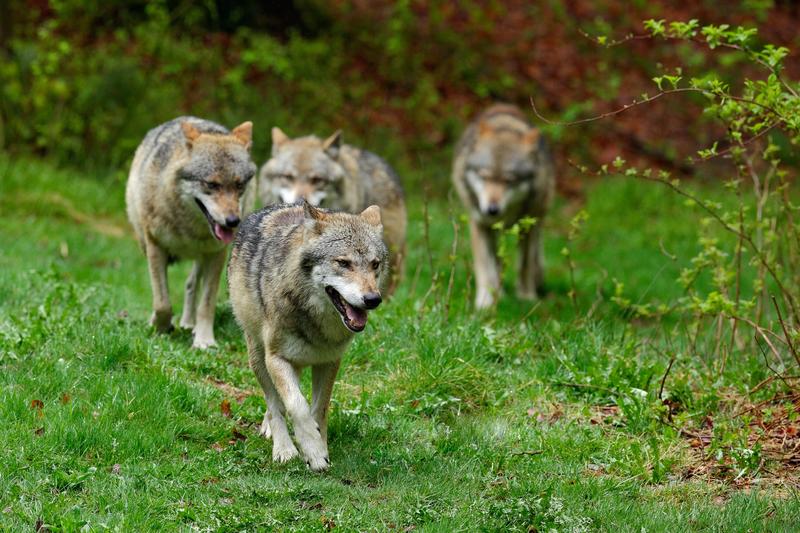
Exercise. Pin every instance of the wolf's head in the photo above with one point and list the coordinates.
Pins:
(501, 168)
(345, 258)
(216, 174)
(305, 168)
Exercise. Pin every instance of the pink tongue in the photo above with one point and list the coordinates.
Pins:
(223, 234)
(357, 317)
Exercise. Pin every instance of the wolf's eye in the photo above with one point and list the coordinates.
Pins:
(317, 181)
(376, 264)
(212, 185)
(344, 263)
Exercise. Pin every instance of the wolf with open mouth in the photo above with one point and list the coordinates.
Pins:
(302, 282)
(184, 200)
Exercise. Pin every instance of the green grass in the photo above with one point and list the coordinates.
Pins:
(439, 423)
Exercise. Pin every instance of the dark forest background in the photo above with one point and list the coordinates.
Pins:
(82, 81)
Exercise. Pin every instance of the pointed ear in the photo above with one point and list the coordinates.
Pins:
(532, 137)
(244, 133)
(314, 218)
(190, 132)
(332, 144)
(278, 137)
(484, 129)
(372, 215)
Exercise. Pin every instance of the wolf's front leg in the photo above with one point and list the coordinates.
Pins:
(322, 378)
(190, 298)
(161, 319)
(210, 270)
(531, 278)
(487, 276)
(274, 423)
(306, 430)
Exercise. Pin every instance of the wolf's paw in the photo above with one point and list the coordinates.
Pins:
(186, 323)
(283, 453)
(525, 293)
(314, 449)
(204, 342)
(265, 430)
(161, 321)
(484, 300)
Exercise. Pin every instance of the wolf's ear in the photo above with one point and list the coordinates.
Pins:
(332, 144)
(372, 215)
(484, 129)
(278, 137)
(532, 137)
(314, 218)
(244, 133)
(190, 132)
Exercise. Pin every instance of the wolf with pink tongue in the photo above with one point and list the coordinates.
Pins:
(184, 201)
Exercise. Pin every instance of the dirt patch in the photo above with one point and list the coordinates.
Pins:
(229, 390)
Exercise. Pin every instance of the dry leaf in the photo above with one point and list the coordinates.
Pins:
(217, 446)
(225, 407)
(39, 431)
(65, 398)
(116, 468)
(37, 404)
(238, 435)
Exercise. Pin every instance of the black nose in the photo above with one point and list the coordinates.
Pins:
(232, 221)
(493, 209)
(371, 301)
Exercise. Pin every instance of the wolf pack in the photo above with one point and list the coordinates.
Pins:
(326, 247)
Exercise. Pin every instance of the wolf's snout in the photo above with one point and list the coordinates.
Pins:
(372, 300)
(493, 209)
(232, 221)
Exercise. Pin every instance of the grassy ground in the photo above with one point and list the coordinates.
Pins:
(532, 418)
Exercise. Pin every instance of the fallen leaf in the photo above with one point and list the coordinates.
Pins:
(37, 404)
(226, 501)
(39, 431)
(217, 446)
(225, 407)
(238, 435)
(116, 468)
(65, 398)
(212, 479)
(122, 315)
(791, 431)
(531, 411)
(328, 523)
(696, 443)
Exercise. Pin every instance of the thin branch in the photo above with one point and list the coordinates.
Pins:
(785, 330)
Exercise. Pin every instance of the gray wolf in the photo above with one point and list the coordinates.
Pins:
(330, 174)
(301, 282)
(183, 200)
(503, 171)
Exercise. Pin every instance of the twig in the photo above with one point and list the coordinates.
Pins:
(785, 330)
(528, 452)
(664, 378)
(453, 257)
(583, 386)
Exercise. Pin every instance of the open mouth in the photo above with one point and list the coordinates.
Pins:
(221, 233)
(354, 318)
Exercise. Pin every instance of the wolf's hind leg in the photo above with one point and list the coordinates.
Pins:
(322, 378)
(307, 432)
(190, 298)
(161, 319)
(274, 424)
(210, 270)
(531, 276)
(487, 275)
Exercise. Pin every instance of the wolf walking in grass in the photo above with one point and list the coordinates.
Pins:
(503, 171)
(327, 173)
(183, 201)
(301, 282)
